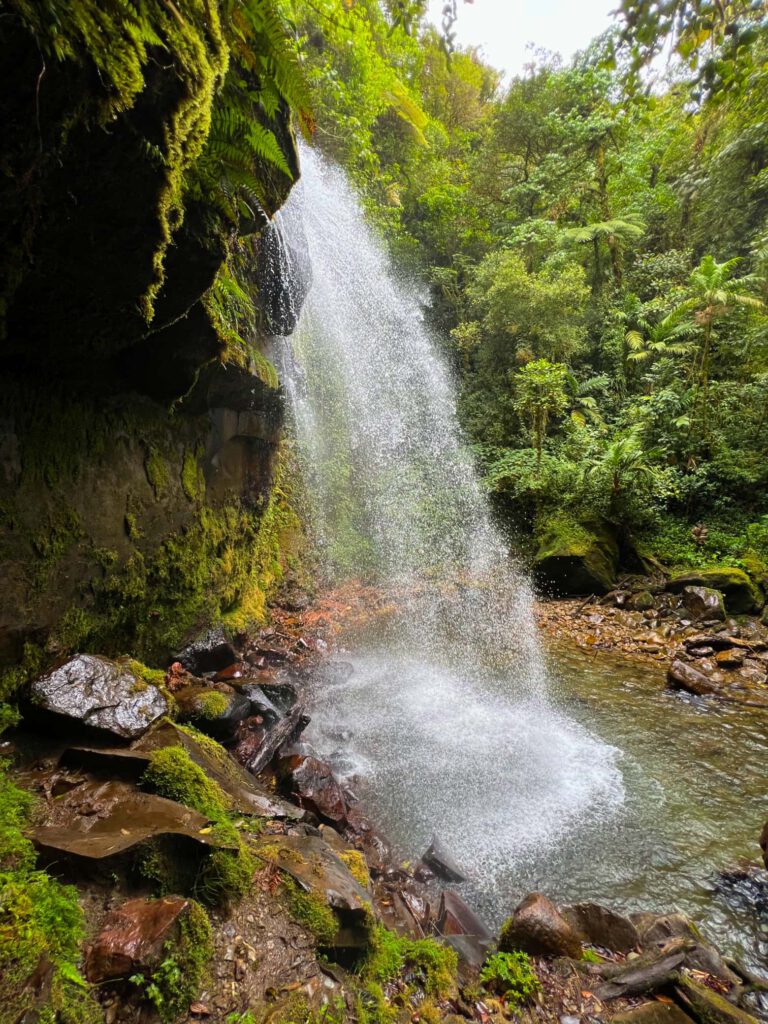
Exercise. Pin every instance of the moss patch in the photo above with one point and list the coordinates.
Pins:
(311, 911)
(391, 954)
(358, 868)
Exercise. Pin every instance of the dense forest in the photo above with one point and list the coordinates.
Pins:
(594, 235)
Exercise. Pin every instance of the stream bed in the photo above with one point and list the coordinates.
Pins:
(611, 788)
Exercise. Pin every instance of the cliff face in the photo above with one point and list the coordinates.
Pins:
(140, 421)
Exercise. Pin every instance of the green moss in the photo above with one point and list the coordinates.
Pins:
(40, 920)
(391, 954)
(176, 981)
(31, 665)
(149, 676)
(226, 875)
(311, 911)
(192, 479)
(212, 704)
(157, 472)
(357, 865)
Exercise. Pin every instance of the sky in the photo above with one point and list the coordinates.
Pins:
(503, 27)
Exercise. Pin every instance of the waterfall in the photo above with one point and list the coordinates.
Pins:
(447, 720)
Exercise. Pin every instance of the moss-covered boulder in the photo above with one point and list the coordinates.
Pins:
(741, 595)
(576, 558)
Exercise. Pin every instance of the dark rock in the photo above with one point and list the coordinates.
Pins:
(455, 918)
(600, 926)
(213, 710)
(707, 1006)
(97, 820)
(658, 929)
(576, 559)
(247, 796)
(703, 603)
(133, 937)
(210, 652)
(313, 785)
(642, 602)
(653, 1013)
(764, 844)
(257, 739)
(472, 950)
(260, 702)
(741, 596)
(682, 676)
(99, 694)
(440, 861)
(283, 695)
(537, 927)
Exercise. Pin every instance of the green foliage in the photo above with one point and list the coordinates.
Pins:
(540, 393)
(40, 920)
(176, 981)
(511, 976)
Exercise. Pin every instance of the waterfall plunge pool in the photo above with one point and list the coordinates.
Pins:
(613, 789)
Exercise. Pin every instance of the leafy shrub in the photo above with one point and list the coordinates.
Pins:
(510, 975)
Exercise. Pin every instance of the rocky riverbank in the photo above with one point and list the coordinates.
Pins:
(225, 874)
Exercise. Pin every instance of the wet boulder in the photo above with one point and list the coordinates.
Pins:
(209, 652)
(313, 785)
(215, 710)
(538, 928)
(576, 558)
(659, 929)
(600, 926)
(740, 594)
(99, 694)
(133, 937)
(683, 676)
(703, 603)
(441, 863)
(455, 918)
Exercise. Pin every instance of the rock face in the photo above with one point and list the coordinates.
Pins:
(132, 938)
(741, 596)
(100, 694)
(576, 559)
(601, 926)
(538, 928)
(703, 603)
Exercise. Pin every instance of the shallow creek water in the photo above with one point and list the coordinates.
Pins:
(613, 789)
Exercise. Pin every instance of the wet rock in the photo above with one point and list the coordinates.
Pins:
(682, 676)
(260, 702)
(471, 950)
(99, 694)
(257, 739)
(703, 603)
(213, 710)
(97, 820)
(283, 695)
(133, 937)
(741, 596)
(210, 652)
(707, 1006)
(731, 658)
(642, 601)
(576, 558)
(600, 926)
(318, 869)
(313, 785)
(764, 844)
(455, 918)
(246, 794)
(537, 927)
(658, 929)
(439, 860)
(653, 1013)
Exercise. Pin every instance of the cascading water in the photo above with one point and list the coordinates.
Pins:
(446, 719)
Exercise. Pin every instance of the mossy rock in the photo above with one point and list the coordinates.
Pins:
(741, 595)
(576, 558)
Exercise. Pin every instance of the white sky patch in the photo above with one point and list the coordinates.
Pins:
(503, 28)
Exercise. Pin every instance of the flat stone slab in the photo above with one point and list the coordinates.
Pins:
(247, 795)
(133, 936)
(99, 694)
(102, 819)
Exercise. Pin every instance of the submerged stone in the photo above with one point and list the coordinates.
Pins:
(682, 676)
(99, 694)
